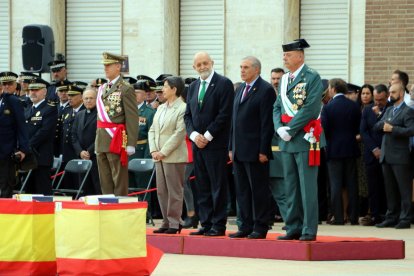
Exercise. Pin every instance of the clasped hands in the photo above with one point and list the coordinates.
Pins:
(282, 131)
(200, 141)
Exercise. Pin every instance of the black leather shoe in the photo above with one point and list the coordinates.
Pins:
(160, 230)
(239, 235)
(307, 238)
(200, 232)
(174, 230)
(191, 222)
(403, 225)
(257, 236)
(386, 223)
(289, 237)
(214, 233)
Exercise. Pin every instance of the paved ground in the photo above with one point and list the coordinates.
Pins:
(174, 264)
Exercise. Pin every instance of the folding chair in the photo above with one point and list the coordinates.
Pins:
(24, 177)
(142, 166)
(78, 166)
(57, 163)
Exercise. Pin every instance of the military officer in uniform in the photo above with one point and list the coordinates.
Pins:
(98, 82)
(295, 113)
(58, 68)
(117, 131)
(63, 108)
(146, 114)
(14, 143)
(151, 97)
(24, 80)
(41, 119)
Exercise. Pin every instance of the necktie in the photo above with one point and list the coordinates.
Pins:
(246, 91)
(202, 93)
(291, 78)
(394, 111)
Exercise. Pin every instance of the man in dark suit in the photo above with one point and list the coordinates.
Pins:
(83, 140)
(295, 113)
(14, 137)
(207, 119)
(397, 126)
(250, 150)
(340, 121)
(372, 152)
(41, 119)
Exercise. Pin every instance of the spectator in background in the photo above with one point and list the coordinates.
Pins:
(275, 76)
(83, 140)
(340, 121)
(397, 125)
(402, 78)
(371, 139)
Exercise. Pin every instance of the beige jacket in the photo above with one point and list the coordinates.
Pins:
(169, 138)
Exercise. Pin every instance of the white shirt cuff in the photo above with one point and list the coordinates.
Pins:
(193, 135)
(208, 136)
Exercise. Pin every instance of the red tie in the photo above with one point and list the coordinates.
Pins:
(246, 91)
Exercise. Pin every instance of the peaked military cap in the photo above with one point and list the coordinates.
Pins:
(7, 76)
(131, 80)
(188, 81)
(27, 76)
(160, 81)
(56, 65)
(80, 84)
(353, 88)
(151, 82)
(162, 77)
(62, 85)
(109, 58)
(74, 90)
(142, 85)
(100, 81)
(38, 83)
(296, 45)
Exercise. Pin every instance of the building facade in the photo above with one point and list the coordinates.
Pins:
(352, 39)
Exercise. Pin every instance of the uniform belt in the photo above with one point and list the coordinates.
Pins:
(140, 142)
(275, 148)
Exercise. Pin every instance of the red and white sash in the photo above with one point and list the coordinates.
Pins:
(102, 114)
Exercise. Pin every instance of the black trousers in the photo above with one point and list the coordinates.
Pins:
(39, 181)
(376, 190)
(253, 195)
(398, 188)
(343, 173)
(211, 187)
(7, 177)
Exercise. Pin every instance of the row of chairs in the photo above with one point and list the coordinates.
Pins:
(83, 167)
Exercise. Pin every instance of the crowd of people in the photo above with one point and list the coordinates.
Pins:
(299, 149)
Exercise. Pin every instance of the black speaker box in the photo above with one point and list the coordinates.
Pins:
(38, 48)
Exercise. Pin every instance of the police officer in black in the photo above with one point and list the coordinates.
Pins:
(68, 118)
(58, 69)
(14, 144)
(41, 119)
(63, 108)
(24, 80)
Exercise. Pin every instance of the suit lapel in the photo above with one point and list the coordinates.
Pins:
(251, 91)
(210, 89)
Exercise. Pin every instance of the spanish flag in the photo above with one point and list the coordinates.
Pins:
(104, 239)
(27, 241)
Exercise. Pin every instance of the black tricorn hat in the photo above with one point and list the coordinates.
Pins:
(296, 45)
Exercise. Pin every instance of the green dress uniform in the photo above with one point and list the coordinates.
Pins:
(276, 177)
(146, 115)
(300, 179)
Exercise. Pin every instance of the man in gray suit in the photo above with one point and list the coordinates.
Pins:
(397, 124)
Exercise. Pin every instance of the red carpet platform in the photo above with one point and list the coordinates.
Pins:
(325, 248)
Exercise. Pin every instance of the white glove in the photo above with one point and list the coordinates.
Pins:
(130, 150)
(282, 131)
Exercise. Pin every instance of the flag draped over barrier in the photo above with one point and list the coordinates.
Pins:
(27, 241)
(104, 239)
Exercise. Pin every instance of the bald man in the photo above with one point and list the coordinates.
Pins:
(207, 119)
